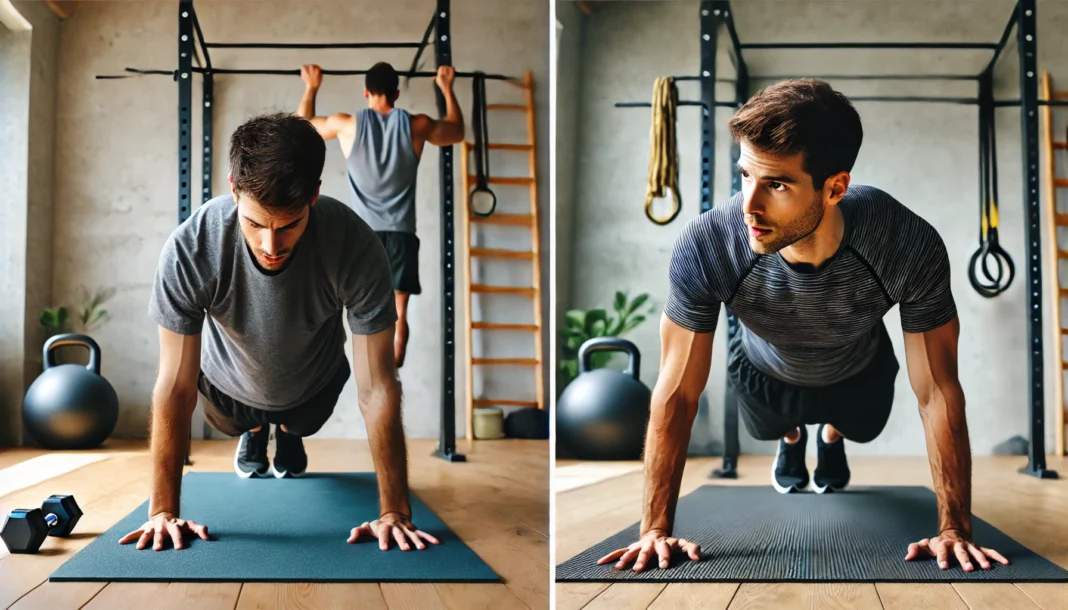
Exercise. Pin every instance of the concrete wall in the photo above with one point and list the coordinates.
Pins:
(569, 21)
(27, 135)
(117, 186)
(923, 154)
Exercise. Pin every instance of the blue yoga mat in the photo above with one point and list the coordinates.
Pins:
(277, 530)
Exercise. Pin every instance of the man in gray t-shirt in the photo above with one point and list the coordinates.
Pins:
(809, 264)
(249, 296)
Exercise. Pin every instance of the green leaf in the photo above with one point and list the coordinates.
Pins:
(636, 303)
(598, 328)
(633, 323)
(574, 343)
(614, 327)
(621, 302)
(575, 318)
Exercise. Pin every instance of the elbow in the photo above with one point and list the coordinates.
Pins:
(673, 410)
(382, 402)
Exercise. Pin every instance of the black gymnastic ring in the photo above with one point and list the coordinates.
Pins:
(985, 251)
(482, 170)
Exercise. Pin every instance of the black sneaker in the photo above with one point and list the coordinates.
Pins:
(290, 460)
(832, 470)
(788, 472)
(250, 459)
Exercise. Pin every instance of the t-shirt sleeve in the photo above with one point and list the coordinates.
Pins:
(367, 289)
(177, 302)
(691, 302)
(927, 301)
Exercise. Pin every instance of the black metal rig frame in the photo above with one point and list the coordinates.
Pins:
(715, 16)
(189, 30)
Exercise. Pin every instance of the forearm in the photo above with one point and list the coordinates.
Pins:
(949, 451)
(667, 439)
(168, 441)
(306, 109)
(388, 448)
(453, 114)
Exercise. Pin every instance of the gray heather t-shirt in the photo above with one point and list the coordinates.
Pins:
(272, 341)
(817, 327)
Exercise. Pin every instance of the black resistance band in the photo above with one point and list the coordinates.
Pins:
(990, 253)
(483, 201)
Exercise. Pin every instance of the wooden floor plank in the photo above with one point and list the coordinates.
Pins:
(310, 596)
(1046, 595)
(909, 596)
(698, 596)
(480, 597)
(993, 596)
(410, 596)
(54, 595)
(166, 596)
(816, 596)
(575, 595)
(627, 596)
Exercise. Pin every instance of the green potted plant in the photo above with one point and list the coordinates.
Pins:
(582, 325)
(90, 317)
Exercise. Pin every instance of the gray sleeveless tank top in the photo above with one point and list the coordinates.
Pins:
(382, 168)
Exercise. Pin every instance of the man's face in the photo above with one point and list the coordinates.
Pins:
(780, 204)
(272, 237)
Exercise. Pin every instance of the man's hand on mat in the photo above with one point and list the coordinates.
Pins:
(655, 543)
(396, 526)
(162, 526)
(953, 543)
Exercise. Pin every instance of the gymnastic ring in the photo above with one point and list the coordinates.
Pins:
(996, 287)
(677, 207)
(478, 193)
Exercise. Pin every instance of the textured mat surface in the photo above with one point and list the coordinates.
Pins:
(754, 534)
(278, 530)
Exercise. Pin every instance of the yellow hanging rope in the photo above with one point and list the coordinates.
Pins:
(663, 153)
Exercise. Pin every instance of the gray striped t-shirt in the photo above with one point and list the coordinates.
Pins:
(817, 327)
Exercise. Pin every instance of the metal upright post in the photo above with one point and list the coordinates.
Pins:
(184, 77)
(1027, 43)
(447, 441)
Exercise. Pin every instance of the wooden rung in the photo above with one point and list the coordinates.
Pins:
(1061, 219)
(1060, 95)
(1064, 292)
(1058, 144)
(1064, 365)
(1060, 183)
(499, 326)
(499, 146)
(498, 253)
(515, 220)
(1062, 253)
(504, 360)
(517, 107)
(507, 179)
(503, 289)
(1064, 331)
(487, 402)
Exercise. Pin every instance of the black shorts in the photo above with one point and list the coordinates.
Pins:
(232, 417)
(858, 406)
(403, 252)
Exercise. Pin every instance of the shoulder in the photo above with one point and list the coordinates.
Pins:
(879, 222)
(194, 251)
(713, 248)
(338, 223)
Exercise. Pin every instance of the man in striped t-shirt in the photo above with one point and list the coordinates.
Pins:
(809, 264)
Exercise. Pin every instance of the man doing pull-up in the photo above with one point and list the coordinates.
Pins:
(382, 145)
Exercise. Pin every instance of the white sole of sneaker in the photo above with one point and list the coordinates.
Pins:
(237, 469)
(774, 483)
(283, 473)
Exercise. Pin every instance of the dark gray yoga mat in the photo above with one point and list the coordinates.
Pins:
(754, 534)
(278, 530)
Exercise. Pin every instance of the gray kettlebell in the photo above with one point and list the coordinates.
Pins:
(70, 406)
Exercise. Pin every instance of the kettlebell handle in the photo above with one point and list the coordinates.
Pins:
(67, 339)
(610, 344)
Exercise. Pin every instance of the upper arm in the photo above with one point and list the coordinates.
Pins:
(438, 133)
(692, 302)
(179, 366)
(931, 358)
(330, 127)
(685, 360)
(367, 284)
(373, 365)
(926, 295)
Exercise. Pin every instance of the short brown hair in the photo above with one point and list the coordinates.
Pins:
(806, 116)
(277, 159)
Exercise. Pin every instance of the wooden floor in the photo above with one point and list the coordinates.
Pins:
(497, 503)
(1034, 512)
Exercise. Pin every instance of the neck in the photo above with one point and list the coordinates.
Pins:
(821, 244)
(380, 103)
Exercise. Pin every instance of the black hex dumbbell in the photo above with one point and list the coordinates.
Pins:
(25, 529)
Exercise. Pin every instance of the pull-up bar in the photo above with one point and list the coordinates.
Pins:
(869, 45)
(311, 45)
(210, 71)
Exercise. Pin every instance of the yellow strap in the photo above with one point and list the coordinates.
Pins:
(663, 153)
